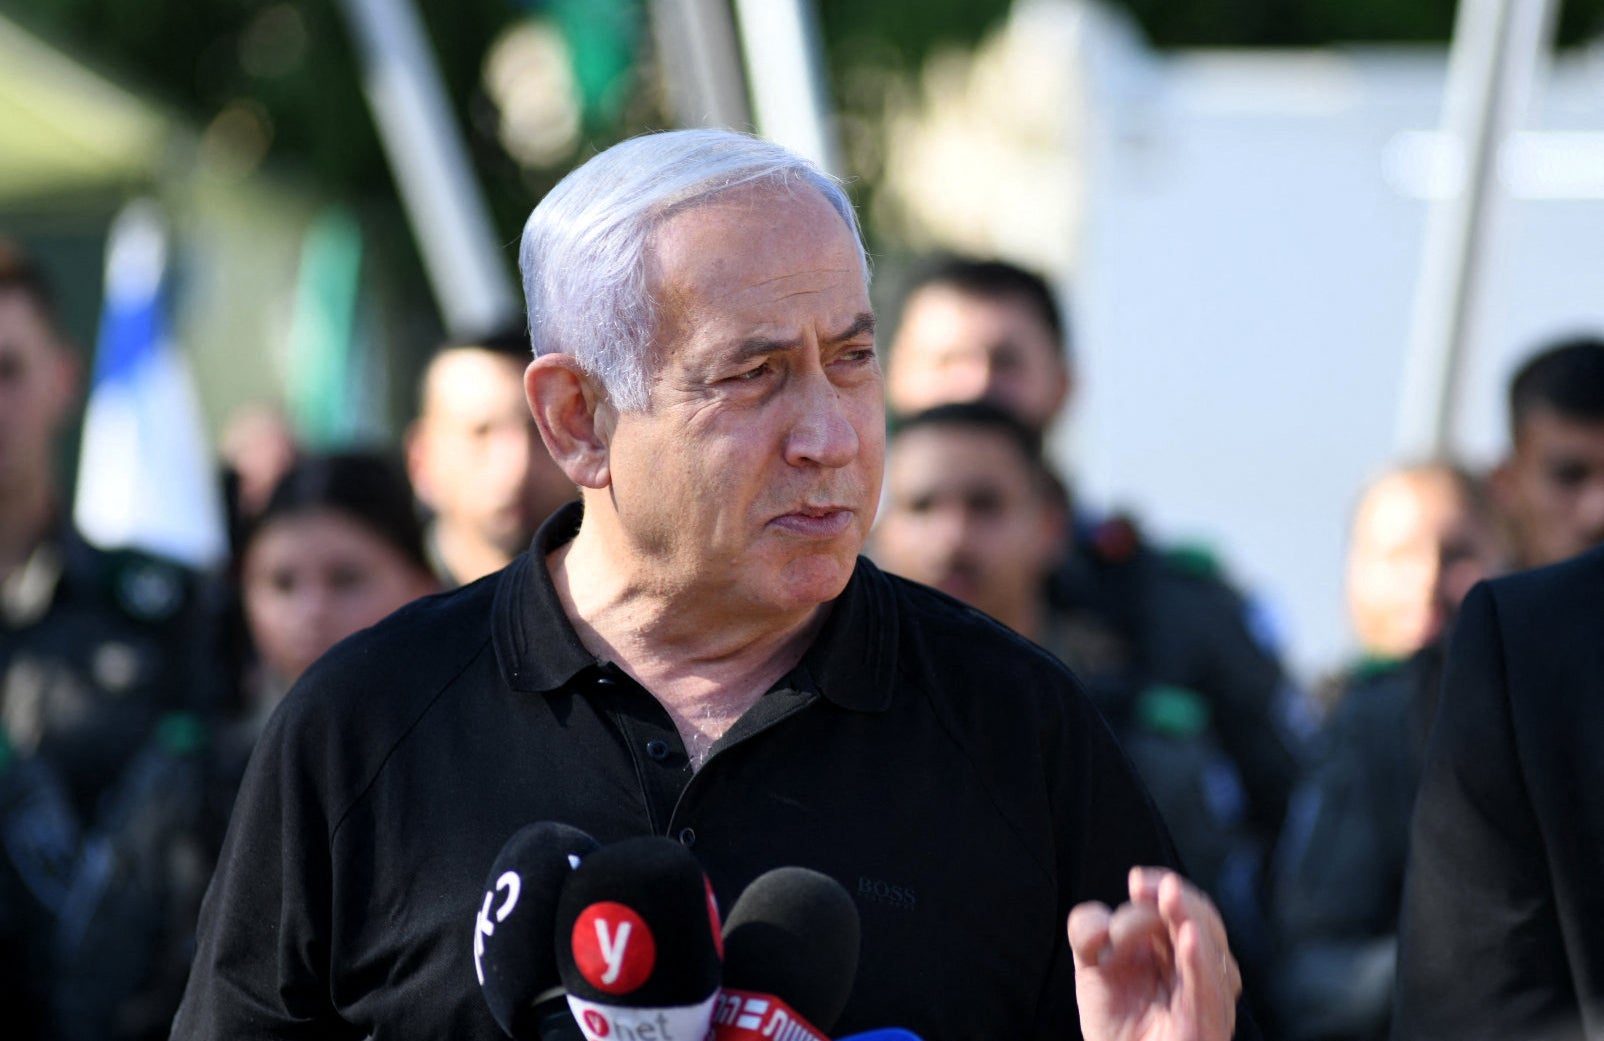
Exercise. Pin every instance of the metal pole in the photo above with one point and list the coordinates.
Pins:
(429, 161)
(1498, 51)
(701, 63)
(780, 39)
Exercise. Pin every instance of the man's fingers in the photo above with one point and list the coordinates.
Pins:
(1210, 979)
(1088, 932)
(1137, 927)
(1179, 901)
(1143, 883)
(1129, 934)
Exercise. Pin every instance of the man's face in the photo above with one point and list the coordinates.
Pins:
(953, 346)
(1552, 488)
(1417, 546)
(753, 474)
(963, 514)
(37, 382)
(476, 458)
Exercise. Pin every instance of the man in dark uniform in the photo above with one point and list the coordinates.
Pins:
(972, 509)
(1422, 535)
(92, 642)
(1168, 647)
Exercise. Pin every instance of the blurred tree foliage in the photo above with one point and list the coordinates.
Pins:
(289, 64)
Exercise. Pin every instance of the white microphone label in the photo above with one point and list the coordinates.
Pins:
(620, 1023)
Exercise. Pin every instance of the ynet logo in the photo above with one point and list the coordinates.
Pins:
(613, 948)
(601, 1022)
(743, 1016)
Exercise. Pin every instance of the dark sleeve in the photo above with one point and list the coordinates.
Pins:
(1480, 951)
(263, 959)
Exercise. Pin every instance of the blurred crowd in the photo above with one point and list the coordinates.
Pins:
(132, 688)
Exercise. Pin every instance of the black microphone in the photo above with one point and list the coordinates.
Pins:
(512, 937)
(790, 955)
(638, 943)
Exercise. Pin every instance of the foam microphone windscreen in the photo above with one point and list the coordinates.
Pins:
(513, 951)
(638, 940)
(794, 934)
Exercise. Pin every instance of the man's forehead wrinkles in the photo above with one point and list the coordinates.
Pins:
(861, 324)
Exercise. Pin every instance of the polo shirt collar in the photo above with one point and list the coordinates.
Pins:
(851, 663)
(536, 645)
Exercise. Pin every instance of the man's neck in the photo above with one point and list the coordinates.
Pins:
(26, 514)
(706, 663)
(1027, 617)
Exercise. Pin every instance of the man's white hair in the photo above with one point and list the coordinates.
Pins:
(583, 253)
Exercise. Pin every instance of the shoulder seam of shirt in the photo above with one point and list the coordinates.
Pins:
(401, 738)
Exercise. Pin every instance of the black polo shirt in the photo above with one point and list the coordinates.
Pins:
(948, 773)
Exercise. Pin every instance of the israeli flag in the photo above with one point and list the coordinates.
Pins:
(145, 473)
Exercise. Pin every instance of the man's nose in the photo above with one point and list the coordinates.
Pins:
(822, 434)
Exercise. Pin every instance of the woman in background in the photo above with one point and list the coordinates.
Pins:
(337, 546)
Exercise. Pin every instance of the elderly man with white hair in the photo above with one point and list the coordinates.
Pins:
(697, 650)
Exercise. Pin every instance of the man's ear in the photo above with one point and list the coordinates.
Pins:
(1501, 484)
(1071, 387)
(67, 383)
(415, 453)
(574, 418)
(1053, 529)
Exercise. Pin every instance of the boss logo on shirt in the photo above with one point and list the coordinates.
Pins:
(875, 891)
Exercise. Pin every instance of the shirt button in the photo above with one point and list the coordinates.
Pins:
(606, 681)
(657, 749)
(687, 836)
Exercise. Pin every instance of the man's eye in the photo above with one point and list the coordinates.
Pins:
(1568, 474)
(986, 504)
(754, 373)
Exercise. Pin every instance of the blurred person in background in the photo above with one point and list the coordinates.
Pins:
(92, 645)
(1422, 536)
(980, 330)
(476, 460)
(1147, 618)
(971, 508)
(1550, 488)
(336, 546)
